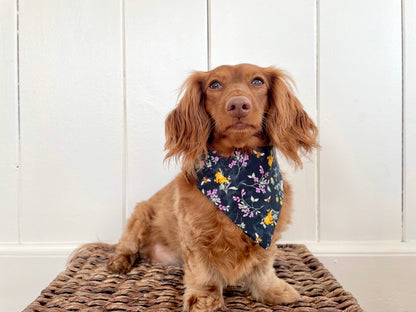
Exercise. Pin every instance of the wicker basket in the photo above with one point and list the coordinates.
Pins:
(87, 285)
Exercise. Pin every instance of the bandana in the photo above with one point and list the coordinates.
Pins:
(248, 188)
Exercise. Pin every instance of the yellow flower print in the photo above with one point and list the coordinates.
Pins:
(219, 178)
(277, 199)
(269, 219)
(270, 159)
(258, 155)
(205, 180)
(258, 239)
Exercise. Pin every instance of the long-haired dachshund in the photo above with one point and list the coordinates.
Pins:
(227, 120)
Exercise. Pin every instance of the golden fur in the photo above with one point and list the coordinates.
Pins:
(180, 225)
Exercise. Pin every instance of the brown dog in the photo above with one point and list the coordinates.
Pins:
(230, 108)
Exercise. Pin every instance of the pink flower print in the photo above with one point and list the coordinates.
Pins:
(237, 199)
(222, 207)
(243, 192)
(251, 215)
(244, 164)
(214, 197)
(261, 170)
(257, 190)
(246, 212)
(232, 164)
(256, 179)
(217, 158)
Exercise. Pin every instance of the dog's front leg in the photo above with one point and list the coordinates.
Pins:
(204, 286)
(127, 250)
(198, 225)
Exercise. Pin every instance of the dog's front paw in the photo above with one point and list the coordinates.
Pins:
(203, 302)
(280, 293)
(120, 263)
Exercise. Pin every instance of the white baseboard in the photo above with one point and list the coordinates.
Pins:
(31, 250)
(344, 248)
(363, 248)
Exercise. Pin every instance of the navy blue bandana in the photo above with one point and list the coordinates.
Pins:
(248, 188)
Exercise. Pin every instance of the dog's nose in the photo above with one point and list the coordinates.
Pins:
(238, 106)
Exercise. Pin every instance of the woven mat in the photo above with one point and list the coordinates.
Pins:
(87, 285)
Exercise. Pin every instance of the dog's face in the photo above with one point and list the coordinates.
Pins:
(236, 99)
(242, 106)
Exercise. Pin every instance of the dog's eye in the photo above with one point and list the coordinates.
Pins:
(215, 85)
(257, 82)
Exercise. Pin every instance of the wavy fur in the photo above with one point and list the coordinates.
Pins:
(180, 225)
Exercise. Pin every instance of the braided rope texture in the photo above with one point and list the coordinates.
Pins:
(87, 285)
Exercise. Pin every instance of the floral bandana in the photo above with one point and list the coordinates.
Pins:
(248, 188)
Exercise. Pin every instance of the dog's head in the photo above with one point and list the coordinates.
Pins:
(242, 106)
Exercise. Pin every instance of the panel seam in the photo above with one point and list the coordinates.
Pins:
(18, 121)
(209, 35)
(403, 182)
(124, 209)
(318, 121)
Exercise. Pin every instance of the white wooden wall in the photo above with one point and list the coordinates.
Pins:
(85, 86)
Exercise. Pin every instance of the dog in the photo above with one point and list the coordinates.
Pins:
(228, 111)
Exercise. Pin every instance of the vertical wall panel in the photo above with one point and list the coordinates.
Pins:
(165, 41)
(8, 122)
(72, 119)
(361, 119)
(280, 33)
(410, 117)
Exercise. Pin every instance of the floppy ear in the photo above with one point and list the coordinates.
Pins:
(188, 126)
(288, 126)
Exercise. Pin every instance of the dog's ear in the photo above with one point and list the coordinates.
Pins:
(188, 126)
(288, 126)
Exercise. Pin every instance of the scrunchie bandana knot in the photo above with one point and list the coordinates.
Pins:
(248, 188)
